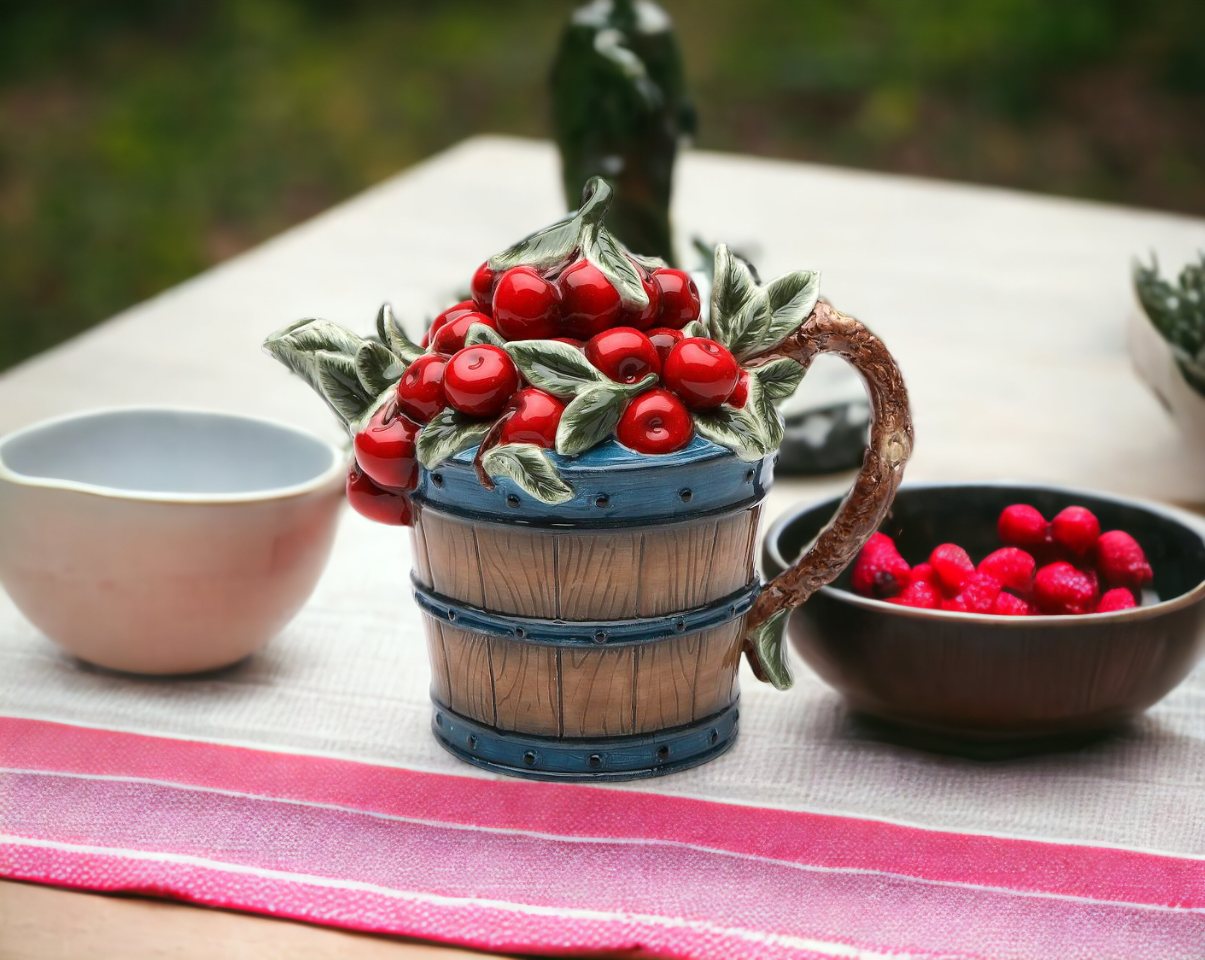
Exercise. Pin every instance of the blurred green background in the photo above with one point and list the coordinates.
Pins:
(143, 140)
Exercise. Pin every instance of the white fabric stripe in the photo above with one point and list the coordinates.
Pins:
(466, 770)
(439, 900)
(617, 841)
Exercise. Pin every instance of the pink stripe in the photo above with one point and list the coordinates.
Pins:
(686, 887)
(805, 838)
(472, 925)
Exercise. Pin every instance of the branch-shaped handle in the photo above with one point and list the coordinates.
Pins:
(828, 331)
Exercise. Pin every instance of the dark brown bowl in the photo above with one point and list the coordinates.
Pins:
(995, 685)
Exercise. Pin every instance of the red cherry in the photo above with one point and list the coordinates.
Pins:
(623, 354)
(701, 372)
(590, 303)
(526, 306)
(664, 339)
(655, 422)
(482, 287)
(457, 310)
(420, 392)
(376, 503)
(450, 337)
(740, 396)
(479, 380)
(647, 316)
(385, 450)
(535, 418)
(679, 297)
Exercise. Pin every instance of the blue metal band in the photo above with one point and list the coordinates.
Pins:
(582, 632)
(612, 486)
(598, 758)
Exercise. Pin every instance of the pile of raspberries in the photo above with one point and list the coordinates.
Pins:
(1078, 562)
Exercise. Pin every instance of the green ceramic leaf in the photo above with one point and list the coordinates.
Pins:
(558, 368)
(767, 646)
(481, 333)
(392, 335)
(734, 287)
(298, 346)
(446, 435)
(605, 252)
(649, 263)
(531, 469)
(747, 328)
(544, 249)
(592, 415)
(739, 430)
(694, 329)
(779, 378)
(791, 298)
(769, 421)
(378, 367)
(339, 382)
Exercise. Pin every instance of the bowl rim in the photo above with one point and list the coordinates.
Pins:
(334, 470)
(1195, 525)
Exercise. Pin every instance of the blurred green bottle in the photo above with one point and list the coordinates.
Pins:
(620, 110)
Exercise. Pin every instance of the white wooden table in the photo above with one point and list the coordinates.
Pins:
(1006, 311)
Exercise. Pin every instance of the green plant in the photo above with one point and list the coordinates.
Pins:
(1177, 311)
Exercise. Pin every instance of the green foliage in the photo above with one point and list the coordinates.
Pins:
(143, 140)
(1178, 312)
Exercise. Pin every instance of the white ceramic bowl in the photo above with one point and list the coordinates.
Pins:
(158, 540)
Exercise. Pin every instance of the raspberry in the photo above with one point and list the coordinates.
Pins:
(1012, 566)
(1061, 589)
(952, 565)
(978, 594)
(1022, 526)
(923, 596)
(1075, 529)
(1119, 598)
(924, 573)
(879, 571)
(1121, 561)
(1011, 606)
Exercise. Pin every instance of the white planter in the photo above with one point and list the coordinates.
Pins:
(1155, 364)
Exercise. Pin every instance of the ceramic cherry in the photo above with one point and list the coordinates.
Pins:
(623, 354)
(526, 306)
(376, 503)
(534, 416)
(454, 311)
(420, 392)
(482, 288)
(702, 372)
(655, 422)
(589, 301)
(480, 380)
(679, 297)
(385, 449)
(450, 337)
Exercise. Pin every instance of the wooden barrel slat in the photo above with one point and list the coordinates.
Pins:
(732, 556)
(674, 568)
(716, 669)
(455, 561)
(441, 684)
(418, 547)
(665, 683)
(527, 690)
(599, 574)
(518, 570)
(598, 692)
(470, 674)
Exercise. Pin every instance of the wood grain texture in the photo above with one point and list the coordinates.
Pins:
(675, 573)
(441, 684)
(599, 574)
(418, 546)
(455, 561)
(732, 556)
(665, 683)
(719, 659)
(598, 691)
(518, 569)
(470, 674)
(527, 690)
